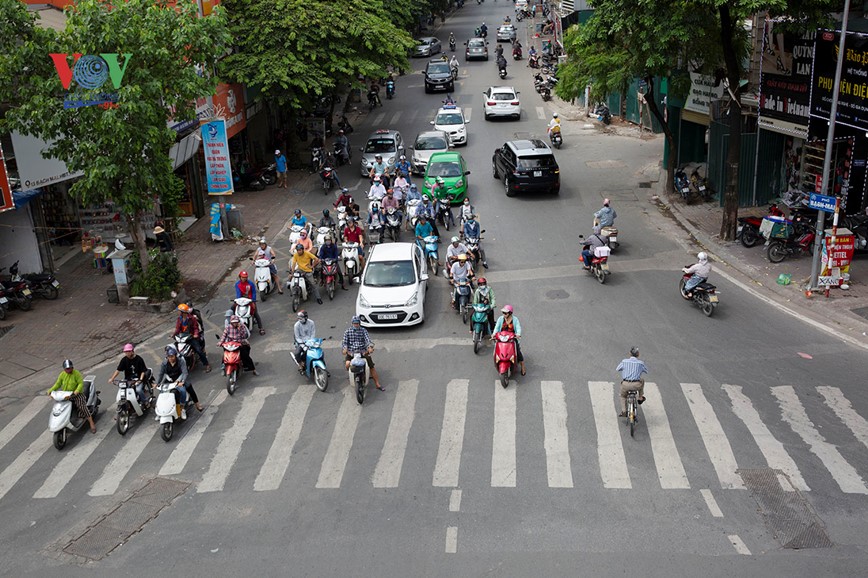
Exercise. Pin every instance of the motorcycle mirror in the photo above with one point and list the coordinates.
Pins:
(432, 122)
(581, 236)
(482, 231)
(361, 149)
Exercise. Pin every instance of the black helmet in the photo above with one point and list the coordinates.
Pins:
(325, 212)
(67, 364)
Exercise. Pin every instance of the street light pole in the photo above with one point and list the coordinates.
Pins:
(827, 160)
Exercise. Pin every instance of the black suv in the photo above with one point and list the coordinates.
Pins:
(438, 76)
(526, 165)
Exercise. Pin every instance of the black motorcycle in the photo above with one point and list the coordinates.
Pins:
(248, 179)
(43, 284)
(327, 175)
(345, 125)
(317, 158)
(343, 156)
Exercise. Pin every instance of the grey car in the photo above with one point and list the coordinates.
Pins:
(476, 48)
(427, 46)
(386, 143)
(427, 143)
(506, 33)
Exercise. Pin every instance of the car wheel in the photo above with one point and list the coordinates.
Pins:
(509, 192)
(427, 90)
(494, 170)
(486, 116)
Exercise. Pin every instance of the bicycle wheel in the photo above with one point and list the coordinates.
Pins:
(631, 414)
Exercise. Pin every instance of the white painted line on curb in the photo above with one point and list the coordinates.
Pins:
(451, 540)
(455, 501)
(739, 545)
(711, 503)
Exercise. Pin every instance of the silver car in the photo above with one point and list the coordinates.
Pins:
(386, 143)
(428, 143)
(506, 33)
(427, 46)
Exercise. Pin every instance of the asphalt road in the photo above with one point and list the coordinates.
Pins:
(446, 473)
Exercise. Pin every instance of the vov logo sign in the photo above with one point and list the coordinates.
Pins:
(90, 72)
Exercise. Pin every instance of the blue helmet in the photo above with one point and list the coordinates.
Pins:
(171, 351)
(356, 319)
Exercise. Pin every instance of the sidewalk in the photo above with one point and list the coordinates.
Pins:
(83, 326)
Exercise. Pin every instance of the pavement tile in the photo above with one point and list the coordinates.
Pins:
(13, 370)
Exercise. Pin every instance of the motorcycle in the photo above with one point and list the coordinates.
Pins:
(390, 89)
(262, 278)
(479, 323)
(533, 61)
(167, 411)
(269, 174)
(599, 263)
(430, 250)
(505, 359)
(473, 251)
(682, 185)
(321, 233)
(611, 233)
(700, 185)
(350, 257)
(343, 155)
(453, 68)
(801, 242)
(345, 125)
(704, 295)
(247, 179)
(17, 293)
(327, 176)
(601, 111)
(501, 72)
(373, 99)
(42, 284)
(317, 159)
(342, 220)
(360, 374)
(4, 304)
(375, 231)
(858, 224)
(749, 227)
(393, 224)
(412, 212)
(452, 44)
(516, 53)
(329, 275)
(444, 212)
(64, 417)
(131, 400)
(295, 233)
(244, 310)
(297, 286)
(314, 363)
(185, 349)
(231, 363)
(556, 138)
(461, 297)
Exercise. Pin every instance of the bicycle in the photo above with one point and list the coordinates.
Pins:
(632, 410)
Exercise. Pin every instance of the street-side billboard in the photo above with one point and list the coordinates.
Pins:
(229, 104)
(853, 92)
(702, 93)
(785, 75)
(34, 170)
(218, 170)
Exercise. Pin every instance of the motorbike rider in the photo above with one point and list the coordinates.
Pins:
(70, 380)
(391, 202)
(699, 272)
(483, 30)
(453, 65)
(400, 185)
(591, 243)
(452, 41)
(404, 166)
(466, 210)
(455, 248)
(264, 251)
(303, 330)
(377, 190)
(175, 368)
(305, 241)
(381, 169)
(305, 261)
(498, 52)
(298, 219)
(460, 269)
(327, 220)
(554, 122)
(473, 231)
(605, 217)
(346, 200)
(413, 193)
(344, 143)
(376, 218)
(244, 288)
(631, 370)
(485, 295)
(237, 331)
(423, 229)
(134, 369)
(333, 175)
(330, 251)
(374, 93)
(501, 62)
(354, 234)
(509, 322)
(188, 323)
(428, 209)
(357, 340)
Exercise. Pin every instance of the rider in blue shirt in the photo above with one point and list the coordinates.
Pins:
(405, 167)
(472, 230)
(299, 219)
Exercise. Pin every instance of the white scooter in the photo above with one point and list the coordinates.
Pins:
(412, 211)
(359, 374)
(297, 286)
(350, 257)
(321, 234)
(167, 411)
(262, 277)
(342, 220)
(132, 399)
(244, 310)
(295, 233)
(64, 417)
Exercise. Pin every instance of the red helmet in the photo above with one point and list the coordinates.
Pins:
(184, 308)
(243, 275)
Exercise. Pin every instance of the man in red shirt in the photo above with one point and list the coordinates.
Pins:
(354, 234)
(244, 288)
(187, 323)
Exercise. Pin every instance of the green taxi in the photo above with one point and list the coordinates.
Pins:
(451, 168)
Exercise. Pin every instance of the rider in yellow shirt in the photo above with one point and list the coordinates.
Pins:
(305, 261)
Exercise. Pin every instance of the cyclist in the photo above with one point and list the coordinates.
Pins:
(631, 370)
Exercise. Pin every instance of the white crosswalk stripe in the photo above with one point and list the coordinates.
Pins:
(125, 459)
(540, 113)
(25, 460)
(503, 450)
(395, 118)
(452, 434)
(716, 443)
(845, 412)
(388, 471)
(378, 119)
(557, 442)
(793, 412)
(468, 112)
(335, 461)
(179, 457)
(670, 470)
(17, 424)
(274, 469)
(71, 462)
(610, 450)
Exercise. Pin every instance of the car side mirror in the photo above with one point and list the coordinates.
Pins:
(466, 172)
(423, 277)
(466, 121)
(432, 122)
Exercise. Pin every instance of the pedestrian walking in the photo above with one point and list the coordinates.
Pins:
(280, 167)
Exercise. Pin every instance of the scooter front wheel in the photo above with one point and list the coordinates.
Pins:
(321, 378)
(360, 391)
(295, 301)
(123, 420)
(504, 379)
(168, 430)
(60, 439)
(231, 381)
(477, 337)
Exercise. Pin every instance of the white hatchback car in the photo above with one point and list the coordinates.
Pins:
(393, 287)
(450, 119)
(502, 101)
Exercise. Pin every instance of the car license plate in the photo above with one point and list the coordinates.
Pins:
(388, 316)
(3, 301)
(55, 283)
(26, 292)
(537, 173)
(740, 227)
(712, 298)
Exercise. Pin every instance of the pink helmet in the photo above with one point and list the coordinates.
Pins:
(128, 347)
(506, 309)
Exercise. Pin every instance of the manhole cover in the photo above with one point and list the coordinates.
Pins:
(557, 294)
(5, 329)
(787, 514)
(861, 312)
(644, 185)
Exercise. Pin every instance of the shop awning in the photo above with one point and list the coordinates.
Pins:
(183, 150)
(21, 198)
(695, 117)
(783, 127)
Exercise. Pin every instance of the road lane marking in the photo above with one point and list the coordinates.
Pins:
(451, 539)
(451, 434)
(503, 448)
(24, 461)
(124, 460)
(179, 457)
(378, 119)
(391, 345)
(540, 113)
(66, 469)
(610, 451)
(455, 501)
(670, 470)
(773, 450)
(711, 503)
(793, 412)
(274, 469)
(387, 474)
(557, 442)
(335, 462)
(717, 445)
(230, 442)
(468, 112)
(844, 410)
(739, 545)
(395, 118)
(22, 419)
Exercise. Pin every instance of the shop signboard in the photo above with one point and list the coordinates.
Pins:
(836, 258)
(218, 170)
(34, 169)
(6, 203)
(702, 93)
(229, 104)
(853, 89)
(785, 75)
(822, 202)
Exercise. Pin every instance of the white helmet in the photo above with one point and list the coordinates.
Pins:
(555, 115)
(702, 256)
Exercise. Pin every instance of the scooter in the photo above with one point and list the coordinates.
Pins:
(295, 233)
(18, 293)
(556, 138)
(185, 349)
(42, 284)
(516, 53)
(601, 111)
(412, 212)
(390, 89)
(321, 233)
(373, 99)
(610, 232)
(345, 125)
(600, 263)
(452, 44)
(343, 156)
(342, 220)
(244, 310)
(749, 227)
(350, 257)
(262, 277)
(682, 185)
(501, 72)
(430, 249)
(132, 399)
(329, 275)
(327, 176)
(167, 411)
(317, 158)
(700, 185)
(801, 243)
(504, 355)
(461, 298)
(375, 232)
(703, 295)
(393, 224)
(533, 61)
(297, 286)
(360, 374)
(231, 363)
(479, 323)
(314, 363)
(474, 253)
(64, 417)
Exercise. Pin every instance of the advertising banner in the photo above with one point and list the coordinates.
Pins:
(853, 90)
(702, 93)
(35, 170)
(785, 75)
(217, 168)
(835, 268)
(6, 203)
(229, 104)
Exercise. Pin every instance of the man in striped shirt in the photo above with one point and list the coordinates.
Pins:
(631, 370)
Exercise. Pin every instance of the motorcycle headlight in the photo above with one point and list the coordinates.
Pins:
(364, 302)
(391, 161)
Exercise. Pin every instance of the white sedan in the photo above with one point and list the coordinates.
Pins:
(502, 101)
(393, 287)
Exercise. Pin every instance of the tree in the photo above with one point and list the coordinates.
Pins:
(158, 53)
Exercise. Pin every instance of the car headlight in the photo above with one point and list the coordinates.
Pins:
(364, 302)
(460, 183)
(413, 300)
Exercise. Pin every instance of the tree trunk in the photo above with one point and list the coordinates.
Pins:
(651, 102)
(137, 232)
(733, 74)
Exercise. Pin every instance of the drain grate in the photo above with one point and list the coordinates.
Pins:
(6, 329)
(787, 514)
(644, 185)
(126, 519)
(861, 312)
(607, 164)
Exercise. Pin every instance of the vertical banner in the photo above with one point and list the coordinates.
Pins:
(785, 75)
(217, 168)
(6, 203)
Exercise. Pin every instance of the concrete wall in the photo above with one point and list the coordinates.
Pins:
(18, 241)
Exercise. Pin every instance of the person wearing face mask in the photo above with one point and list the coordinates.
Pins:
(305, 241)
(509, 322)
(472, 230)
(377, 190)
(329, 250)
(303, 330)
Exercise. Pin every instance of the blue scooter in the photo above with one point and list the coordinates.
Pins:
(479, 322)
(314, 363)
(429, 247)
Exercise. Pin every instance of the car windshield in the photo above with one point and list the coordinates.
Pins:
(503, 96)
(447, 169)
(449, 118)
(380, 145)
(431, 143)
(424, 42)
(439, 68)
(540, 162)
(389, 274)
(476, 43)
(506, 29)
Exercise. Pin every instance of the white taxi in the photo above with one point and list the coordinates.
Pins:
(450, 119)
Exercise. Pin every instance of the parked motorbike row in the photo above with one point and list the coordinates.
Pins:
(783, 237)
(694, 184)
(18, 290)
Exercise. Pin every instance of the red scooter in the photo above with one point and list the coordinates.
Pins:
(231, 364)
(505, 358)
(749, 227)
(329, 275)
(800, 243)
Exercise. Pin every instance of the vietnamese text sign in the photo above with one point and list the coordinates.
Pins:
(702, 93)
(217, 168)
(822, 203)
(835, 261)
(785, 75)
(853, 90)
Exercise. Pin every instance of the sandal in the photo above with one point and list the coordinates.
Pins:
(381, 388)
(93, 430)
(262, 331)
(200, 407)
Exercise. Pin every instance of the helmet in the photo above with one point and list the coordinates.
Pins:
(555, 115)
(634, 351)
(128, 347)
(378, 156)
(303, 234)
(262, 241)
(377, 178)
(481, 281)
(506, 309)
(302, 315)
(171, 351)
(471, 217)
(327, 239)
(455, 240)
(67, 364)
(234, 319)
(298, 211)
(243, 275)
(605, 202)
(325, 212)
(277, 152)
(341, 131)
(423, 218)
(299, 247)
(702, 256)
(403, 158)
(440, 180)
(356, 319)
(184, 308)
(462, 257)
(345, 190)
(390, 191)
(425, 199)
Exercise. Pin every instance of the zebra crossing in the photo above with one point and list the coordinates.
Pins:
(678, 420)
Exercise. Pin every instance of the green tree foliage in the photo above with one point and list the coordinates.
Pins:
(123, 149)
(22, 45)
